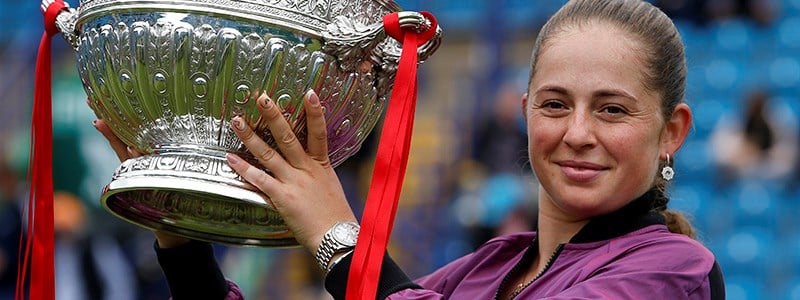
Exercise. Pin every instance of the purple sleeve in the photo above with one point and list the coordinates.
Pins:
(234, 292)
(434, 285)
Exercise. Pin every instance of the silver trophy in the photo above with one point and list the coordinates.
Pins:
(168, 75)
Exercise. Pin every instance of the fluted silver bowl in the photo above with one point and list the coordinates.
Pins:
(168, 76)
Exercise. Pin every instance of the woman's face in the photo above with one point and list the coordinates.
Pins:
(594, 130)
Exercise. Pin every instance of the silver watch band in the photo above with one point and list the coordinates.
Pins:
(339, 238)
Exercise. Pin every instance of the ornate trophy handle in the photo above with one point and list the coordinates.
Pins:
(65, 21)
(418, 22)
(352, 43)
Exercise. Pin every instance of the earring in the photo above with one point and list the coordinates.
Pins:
(667, 172)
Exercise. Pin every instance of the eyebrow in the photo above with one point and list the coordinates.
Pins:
(552, 88)
(609, 92)
(612, 93)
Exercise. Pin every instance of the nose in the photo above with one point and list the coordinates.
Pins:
(580, 131)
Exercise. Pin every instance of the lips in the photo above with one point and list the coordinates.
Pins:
(580, 171)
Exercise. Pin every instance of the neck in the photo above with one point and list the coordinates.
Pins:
(552, 230)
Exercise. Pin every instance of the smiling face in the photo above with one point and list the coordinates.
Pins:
(594, 129)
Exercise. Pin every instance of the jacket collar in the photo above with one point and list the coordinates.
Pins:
(631, 217)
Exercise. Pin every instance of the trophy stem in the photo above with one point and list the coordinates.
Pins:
(197, 196)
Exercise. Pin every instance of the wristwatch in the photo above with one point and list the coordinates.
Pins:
(340, 238)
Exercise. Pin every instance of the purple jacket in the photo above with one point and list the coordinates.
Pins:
(628, 254)
(650, 263)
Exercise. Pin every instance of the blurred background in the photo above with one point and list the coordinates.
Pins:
(738, 174)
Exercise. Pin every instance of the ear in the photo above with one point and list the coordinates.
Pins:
(524, 107)
(676, 130)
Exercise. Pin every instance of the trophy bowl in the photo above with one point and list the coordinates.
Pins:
(168, 76)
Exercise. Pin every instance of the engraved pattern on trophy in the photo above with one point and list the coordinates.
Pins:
(161, 97)
(226, 49)
(351, 42)
(118, 54)
(202, 64)
(96, 66)
(250, 66)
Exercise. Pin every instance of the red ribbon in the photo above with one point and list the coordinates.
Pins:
(38, 247)
(390, 164)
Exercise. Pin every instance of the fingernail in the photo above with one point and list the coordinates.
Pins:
(238, 124)
(232, 158)
(312, 97)
(131, 151)
(266, 102)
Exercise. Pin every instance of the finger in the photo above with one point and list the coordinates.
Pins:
(266, 155)
(116, 144)
(254, 176)
(316, 129)
(133, 153)
(287, 141)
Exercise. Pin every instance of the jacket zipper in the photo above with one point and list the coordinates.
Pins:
(519, 265)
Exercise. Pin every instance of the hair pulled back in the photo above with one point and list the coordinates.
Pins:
(661, 49)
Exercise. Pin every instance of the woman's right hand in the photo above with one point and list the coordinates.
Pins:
(165, 240)
(302, 184)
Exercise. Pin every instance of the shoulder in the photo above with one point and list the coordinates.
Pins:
(657, 238)
(493, 257)
(658, 248)
(500, 248)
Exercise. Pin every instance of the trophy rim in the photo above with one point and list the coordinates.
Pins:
(305, 22)
(242, 235)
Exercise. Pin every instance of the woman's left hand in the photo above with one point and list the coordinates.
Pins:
(301, 184)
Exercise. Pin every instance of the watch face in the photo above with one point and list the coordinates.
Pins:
(346, 233)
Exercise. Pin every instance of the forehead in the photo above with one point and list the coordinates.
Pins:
(594, 52)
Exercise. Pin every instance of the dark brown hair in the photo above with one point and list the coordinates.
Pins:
(661, 49)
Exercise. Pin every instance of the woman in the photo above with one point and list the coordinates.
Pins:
(604, 117)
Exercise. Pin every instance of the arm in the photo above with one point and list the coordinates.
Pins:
(394, 284)
(192, 272)
(393, 281)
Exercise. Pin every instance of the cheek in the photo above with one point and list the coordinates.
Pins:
(541, 138)
(638, 148)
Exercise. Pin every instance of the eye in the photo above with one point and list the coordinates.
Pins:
(553, 105)
(613, 110)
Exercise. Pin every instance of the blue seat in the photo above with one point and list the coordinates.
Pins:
(784, 73)
(732, 36)
(526, 14)
(789, 289)
(789, 254)
(747, 250)
(725, 76)
(790, 7)
(706, 114)
(690, 199)
(756, 203)
(693, 163)
(743, 287)
(788, 35)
